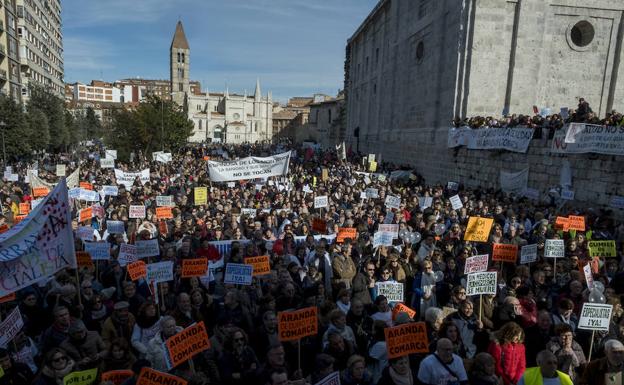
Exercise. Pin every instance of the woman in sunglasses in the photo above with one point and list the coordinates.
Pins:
(56, 365)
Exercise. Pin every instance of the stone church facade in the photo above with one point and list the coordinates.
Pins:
(218, 117)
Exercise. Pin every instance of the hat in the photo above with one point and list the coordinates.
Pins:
(77, 326)
(121, 305)
(402, 318)
(108, 292)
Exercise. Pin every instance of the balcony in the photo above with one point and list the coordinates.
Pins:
(2, 51)
(3, 75)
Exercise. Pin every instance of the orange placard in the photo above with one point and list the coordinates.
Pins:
(24, 208)
(319, 225)
(4, 228)
(149, 376)
(294, 325)
(206, 158)
(406, 339)
(162, 227)
(18, 219)
(188, 343)
(196, 267)
(399, 307)
(8, 298)
(576, 223)
(85, 214)
(137, 270)
(83, 259)
(164, 212)
(478, 229)
(86, 185)
(261, 265)
(346, 232)
(40, 191)
(562, 223)
(117, 377)
(504, 253)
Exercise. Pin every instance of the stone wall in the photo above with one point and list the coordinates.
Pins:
(595, 177)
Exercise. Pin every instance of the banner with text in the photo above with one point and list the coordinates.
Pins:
(249, 168)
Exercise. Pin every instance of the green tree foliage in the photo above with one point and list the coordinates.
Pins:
(53, 108)
(16, 130)
(39, 130)
(154, 125)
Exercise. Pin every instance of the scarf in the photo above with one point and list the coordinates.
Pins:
(57, 375)
(400, 379)
(98, 314)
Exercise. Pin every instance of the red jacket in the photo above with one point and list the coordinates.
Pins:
(510, 361)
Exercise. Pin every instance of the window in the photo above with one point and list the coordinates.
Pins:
(180, 87)
(199, 108)
(376, 56)
(182, 57)
(582, 33)
(200, 125)
(178, 57)
(420, 51)
(374, 88)
(216, 108)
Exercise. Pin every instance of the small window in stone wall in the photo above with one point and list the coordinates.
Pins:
(582, 33)
(420, 51)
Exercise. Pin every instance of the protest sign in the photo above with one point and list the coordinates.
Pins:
(504, 252)
(392, 202)
(107, 163)
(514, 182)
(200, 195)
(136, 270)
(319, 225)
(147, 248)
(99, 251)
(294, 325)
(164, 213)
(476, 264)
(160, 271)
(514, 139)
(249, 168)
(83, 259)
(10, 326)
(164, 200)
(528, 254)
(406, 339)
(401, 308)
(84, 377)
(589, 276)
(60, 170)
(112, 154)
(85, 214)
(8, 298)
(40, 191)
(381, 238)
(238, 274)
(581, 138)
(346, 232)
(320, 201)
(112, 191)
(602, 249)
(481, 283)
(456, 202)
(187, 344)
(324, 174)
(88, 195)
(330, 379)
(195, 267)
(372, 166)
(24, 208)
(260, 265)
(478, 229)
(149, 376)
(425, 202)
(162, 157)
(127, 178)
(562, 223)
(576, 223)
(86, 186)
(595, 316)
(371, 158)
(372, 193)
(616, 202)
(393, 291)
(554, 248)
(116, 377)
(127, 254)
(115, 227)
(389, 228)
(137, 211)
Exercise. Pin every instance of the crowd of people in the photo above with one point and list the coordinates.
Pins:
(527, 333)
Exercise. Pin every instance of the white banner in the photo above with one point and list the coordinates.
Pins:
(99, 251)
(110, 154)
(238, 274)
(514, 182)
(554, 248)
(164, 200)
(162, 157)
(136, 211)
(320, 202)
(456, 202)
(73, 180)
(595, 316)
(110, 190)
(515, 139)
(481, 283)
(249, 168)
(40, 245)
(528, 254)
(127, 178)
(147, 248)
(393, 291)
(477, 264)
(393, 202)
(581, 138)
(10, 327)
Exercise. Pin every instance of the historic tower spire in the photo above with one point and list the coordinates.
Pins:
(179, 64)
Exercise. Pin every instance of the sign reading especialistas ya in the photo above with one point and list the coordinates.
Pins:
(249, 168)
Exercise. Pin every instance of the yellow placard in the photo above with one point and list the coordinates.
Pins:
(372, 166)
(85, 377)
(478, 229)
(602, 249)
(201, 195)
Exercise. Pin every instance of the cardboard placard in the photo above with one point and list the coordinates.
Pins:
(260, 265)
(40, 191)
(149, 376)
(19, 218)
(392, 202)
(381, 238)
(372, 166)
(330, 379)
(478, 229)
(562, 223)
(164, 201)
(389, 228)
(476, 264)
(555, 248)
(187, 344)
(112, 191)
(346, 232)
(406, 339)
(294, 325)
(147, 248)
(576, 222)
(595, 316)
(127, 254)
(117, 377)
(320, 202)
(399, 307)
(86, 186)
(528, 254)
(200, 195)
(24, 208)
(85, 233)
(99, 251)
(60, 170)
(136, 211)
(393, 291)
(85, 377)
(160, 271)
(10, 327)
(589, 276)
(324, 174)
(85, 214)
(238, 274)
(372, 193)
(164, 212)
(115, 227)
(8, 298)
(83, 259)
(602, 249)
(319, 225)
(504, 252)
(195, 267)
(481, 283)
(137, 270)
(456, 202)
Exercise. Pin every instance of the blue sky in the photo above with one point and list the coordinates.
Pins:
(295, 47)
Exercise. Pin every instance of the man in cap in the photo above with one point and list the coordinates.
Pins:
(119, 324)
(85, 347)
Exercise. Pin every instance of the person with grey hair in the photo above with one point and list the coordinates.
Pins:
(608, 370)
(546, 372)
(434, 317)
(156, 350)
(443, 367)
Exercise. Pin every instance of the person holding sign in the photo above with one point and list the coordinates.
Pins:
(156, 350)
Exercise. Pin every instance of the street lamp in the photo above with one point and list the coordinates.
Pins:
(4, 158)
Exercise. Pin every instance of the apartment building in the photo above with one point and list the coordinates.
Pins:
(10, 79)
